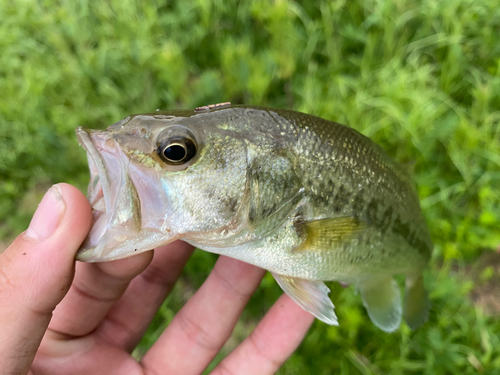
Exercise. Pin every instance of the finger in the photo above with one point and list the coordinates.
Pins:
(204, 324)
(274, 339)
(129, 318)
(36, 271)
(82, 356)
(123, 326)
(96, 287)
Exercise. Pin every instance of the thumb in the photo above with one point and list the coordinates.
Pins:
(36, 272)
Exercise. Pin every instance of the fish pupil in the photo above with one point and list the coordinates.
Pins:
(175, 152)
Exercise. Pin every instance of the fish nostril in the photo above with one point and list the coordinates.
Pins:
(109, 144)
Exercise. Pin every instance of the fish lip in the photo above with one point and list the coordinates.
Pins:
(85, 141)
(94, 247)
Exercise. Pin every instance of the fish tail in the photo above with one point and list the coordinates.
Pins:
(416, 306)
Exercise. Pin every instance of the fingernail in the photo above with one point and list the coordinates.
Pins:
(48, 215)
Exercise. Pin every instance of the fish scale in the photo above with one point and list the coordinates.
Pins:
(391, 185)
(305, 198)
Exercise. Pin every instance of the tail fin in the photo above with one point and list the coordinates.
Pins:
(416, 307)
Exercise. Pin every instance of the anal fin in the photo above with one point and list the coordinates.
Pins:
(311, 295)
(382, 300)
(416, 307)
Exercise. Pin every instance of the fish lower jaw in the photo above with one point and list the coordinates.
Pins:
(99, 206)
(98, 229)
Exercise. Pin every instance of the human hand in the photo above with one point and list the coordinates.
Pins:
(103, 309)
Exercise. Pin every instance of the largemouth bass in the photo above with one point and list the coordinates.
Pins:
(307, 199)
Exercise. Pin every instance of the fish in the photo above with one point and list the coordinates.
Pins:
(307, 199)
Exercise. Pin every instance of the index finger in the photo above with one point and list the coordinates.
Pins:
(271, 343)
(205, 323)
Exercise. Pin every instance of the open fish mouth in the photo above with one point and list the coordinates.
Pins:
(99, 190)
(129, 213)
(115, 208)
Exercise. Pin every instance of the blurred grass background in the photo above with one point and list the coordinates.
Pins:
(422, 78)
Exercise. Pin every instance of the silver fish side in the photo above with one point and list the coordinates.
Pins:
(305, 198)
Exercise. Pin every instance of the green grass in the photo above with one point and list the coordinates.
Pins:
(422, 78)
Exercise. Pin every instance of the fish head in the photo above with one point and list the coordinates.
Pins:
(157, 178)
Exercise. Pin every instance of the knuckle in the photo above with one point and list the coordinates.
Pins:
(197, 333)
(222, 369)
(156, 276)
(231, 284)
(263, 344)
(5, 264)
(5, 281)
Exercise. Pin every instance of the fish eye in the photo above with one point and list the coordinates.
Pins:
(177, 151)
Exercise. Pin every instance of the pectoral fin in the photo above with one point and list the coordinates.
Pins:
(328, 234)
(416, 307)
(382, 300)
(312, 296)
